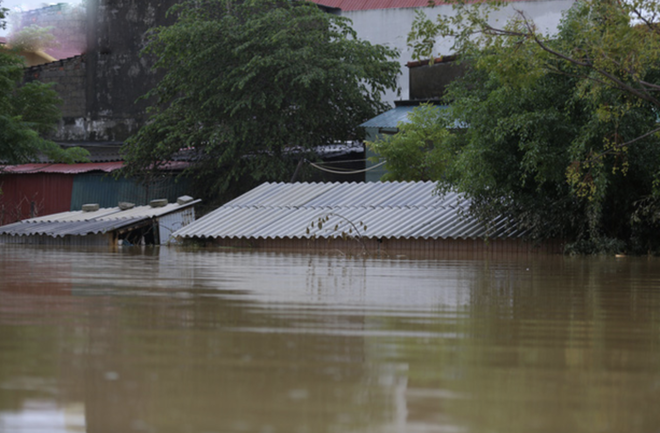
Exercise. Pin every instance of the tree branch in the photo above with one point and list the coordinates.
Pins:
(619, 84)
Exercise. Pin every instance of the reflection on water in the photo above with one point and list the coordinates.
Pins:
(165, 340)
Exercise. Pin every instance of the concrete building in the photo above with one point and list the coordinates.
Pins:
(102, 85)
(388, 22)
(104, 77)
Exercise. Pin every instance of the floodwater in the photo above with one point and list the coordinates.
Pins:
(168, 340)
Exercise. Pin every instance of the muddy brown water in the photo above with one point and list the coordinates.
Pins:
(169, 340)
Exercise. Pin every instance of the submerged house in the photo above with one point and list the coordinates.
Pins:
(94, 226)
(44, 188)
(31, 190)
(376, 217)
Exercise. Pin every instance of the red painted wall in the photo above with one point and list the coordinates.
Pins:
(28, 195)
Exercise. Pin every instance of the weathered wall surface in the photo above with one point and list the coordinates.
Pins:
(29, 195)
(101, 88)
(428, 82)
(117, 75)
(69, 77)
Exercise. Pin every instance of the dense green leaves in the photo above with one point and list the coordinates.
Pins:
(411, 154)
(33, 38)
(252, 87)
(562, 130)
(26, 112)
(3, 12)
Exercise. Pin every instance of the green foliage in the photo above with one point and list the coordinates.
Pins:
(563, 132)
(336, 226)
(419, 150)
(32, 38)
(422, 36)
(251, 87)
(3, 15)
(596, 246)
(26, 112)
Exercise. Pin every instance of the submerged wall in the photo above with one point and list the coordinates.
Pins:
(30, 195)
(428, 248)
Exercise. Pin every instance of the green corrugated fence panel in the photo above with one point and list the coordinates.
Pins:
(107, 191)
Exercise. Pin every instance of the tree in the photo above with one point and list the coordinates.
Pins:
(252, 87)
(411, 154)
(33, 38)
(562, 132)
(26, 113)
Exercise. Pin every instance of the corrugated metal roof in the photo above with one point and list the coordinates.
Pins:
(405, 210)
(389, 119)
(64, 168)
(67, 228)
(110, 214)
(80, 168)
(79, 223)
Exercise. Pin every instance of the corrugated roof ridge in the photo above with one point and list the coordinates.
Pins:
(64, 228)
(251, 193)
(109, 213)
(407, 191)
(338, 208)
(259, 194)
(410, 210)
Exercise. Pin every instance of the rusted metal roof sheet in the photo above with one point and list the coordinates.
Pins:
(64, 168)
(84, 167)
(401, 210)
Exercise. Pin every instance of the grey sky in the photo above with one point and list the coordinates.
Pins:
(27, 5)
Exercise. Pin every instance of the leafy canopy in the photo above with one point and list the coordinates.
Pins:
(562, 129)
(32, 39)
(251, 87)
(26, 113)
(411, 154)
